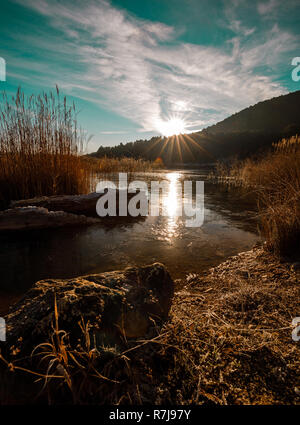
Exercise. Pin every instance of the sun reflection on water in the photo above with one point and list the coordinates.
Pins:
(171, 201)
(172, 205)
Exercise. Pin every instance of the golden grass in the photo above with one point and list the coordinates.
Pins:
(228, 341)
(41, 150)
(276, 179)
(106, 165)
(40, 147)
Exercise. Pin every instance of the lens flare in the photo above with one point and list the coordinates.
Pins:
(171, 127)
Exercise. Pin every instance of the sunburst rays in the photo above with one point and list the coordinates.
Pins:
(180, 146)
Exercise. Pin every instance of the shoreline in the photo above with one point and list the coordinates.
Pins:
(228, 339)
(243, 310)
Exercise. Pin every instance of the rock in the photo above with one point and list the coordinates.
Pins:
(75, 204)
(119, 303)
(23, 218)
(57, 211)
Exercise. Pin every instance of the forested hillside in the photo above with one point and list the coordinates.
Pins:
(251, 130)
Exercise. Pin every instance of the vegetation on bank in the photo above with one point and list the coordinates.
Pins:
(228, 338)
(41, 149)
(40, 146)
(108, 165)
(275, 177)
(244, 133)
(228, 341)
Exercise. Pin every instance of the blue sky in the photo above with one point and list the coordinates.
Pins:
(131, 64)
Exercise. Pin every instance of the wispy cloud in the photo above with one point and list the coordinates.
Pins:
(267, 6)
(114, 132)
(269, 52)
(140, 70)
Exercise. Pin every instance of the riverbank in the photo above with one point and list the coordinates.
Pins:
(275, 179)
(235, 325)
(46, 154)
(228, 340)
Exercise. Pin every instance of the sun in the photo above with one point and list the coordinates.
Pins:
(171, 127)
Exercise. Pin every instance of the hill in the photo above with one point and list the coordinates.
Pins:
(249, 131)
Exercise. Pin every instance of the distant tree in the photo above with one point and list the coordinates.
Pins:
(251, 130)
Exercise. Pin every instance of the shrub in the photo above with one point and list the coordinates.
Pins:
(41, 150)
(276, 179)
(40, 146)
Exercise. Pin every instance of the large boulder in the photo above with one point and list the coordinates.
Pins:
(28, 218)
(118, 305)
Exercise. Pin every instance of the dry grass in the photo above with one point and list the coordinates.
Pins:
(231, 333)
(60, 371)
(276, 179)
(115, 165)
(40, 147)
(41, 150)
(228, 341)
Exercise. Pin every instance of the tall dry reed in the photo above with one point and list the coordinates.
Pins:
(276, 178)
(40, 147)
(41, 150)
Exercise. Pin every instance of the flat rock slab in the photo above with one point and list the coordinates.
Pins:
(57, 211)
(75, 204)
(116, 304)
(29, 218)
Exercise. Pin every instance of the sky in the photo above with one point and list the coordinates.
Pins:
(130, 66)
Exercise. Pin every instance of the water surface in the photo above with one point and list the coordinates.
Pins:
(228, 228)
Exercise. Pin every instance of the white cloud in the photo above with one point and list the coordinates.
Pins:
(269, 52)
(127, 66)
(267, 6)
